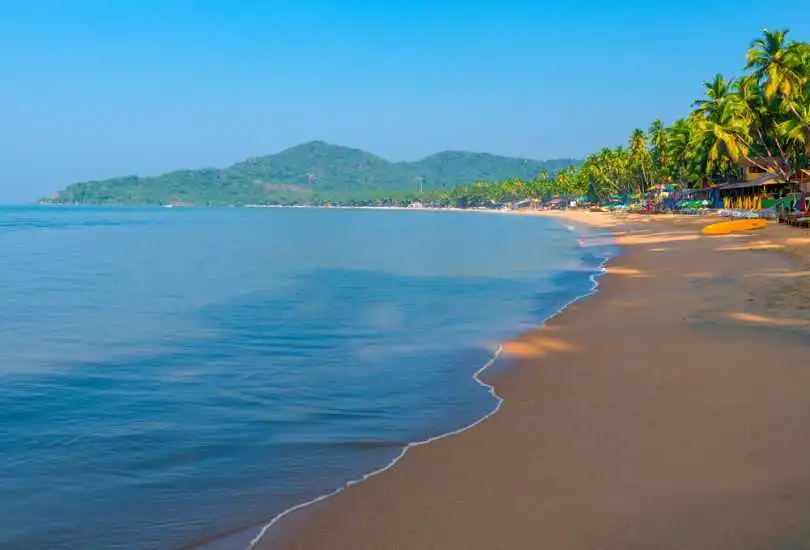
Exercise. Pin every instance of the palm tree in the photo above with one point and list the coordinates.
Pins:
(796, 130)
(750, 103)
(780, 66)
(723, 136)
(659, 138)
(640, 156)
(766, 112)
(609, 170)
(539, 187)
(682, 148)
(723, 121)
(717, 91)
(567, 182)
(766, 124)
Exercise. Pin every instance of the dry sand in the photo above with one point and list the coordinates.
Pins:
(669, 411)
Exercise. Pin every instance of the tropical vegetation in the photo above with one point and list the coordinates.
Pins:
(761, 118)
(757, 117)
(315, 172)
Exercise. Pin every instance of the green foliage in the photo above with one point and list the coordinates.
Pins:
(764, 113)
(314, 172)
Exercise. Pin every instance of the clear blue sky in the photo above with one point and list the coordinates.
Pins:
(99, 88)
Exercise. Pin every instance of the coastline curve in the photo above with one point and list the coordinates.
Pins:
(601, 269)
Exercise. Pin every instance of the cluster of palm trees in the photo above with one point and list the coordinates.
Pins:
(763, 114)
(565, 182)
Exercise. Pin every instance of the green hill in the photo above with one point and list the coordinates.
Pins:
(315, 171)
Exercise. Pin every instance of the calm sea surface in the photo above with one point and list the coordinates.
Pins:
(177, 377)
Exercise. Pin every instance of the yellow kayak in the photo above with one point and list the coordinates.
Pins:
(723, 228)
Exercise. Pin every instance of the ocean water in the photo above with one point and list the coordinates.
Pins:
(175, 378)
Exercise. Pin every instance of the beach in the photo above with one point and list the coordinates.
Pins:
(667, 410)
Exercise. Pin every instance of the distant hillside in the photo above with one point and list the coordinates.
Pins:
(310, 172)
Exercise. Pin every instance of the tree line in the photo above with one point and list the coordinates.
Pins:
(763, 114)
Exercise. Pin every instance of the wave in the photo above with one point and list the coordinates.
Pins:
(600, 270)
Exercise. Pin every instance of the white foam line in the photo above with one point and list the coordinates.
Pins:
(396, 459)
(476, 376)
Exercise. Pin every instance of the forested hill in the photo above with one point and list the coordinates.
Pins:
(313, 171)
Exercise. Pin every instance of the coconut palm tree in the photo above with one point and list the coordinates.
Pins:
(723, 121)
(723, 136)
(540, 186)
(764, 113)
(640, 157)
(659, 139)
(682, 147)
(568, 182)
(780, 66)
(749, 101)
(610, 172)
(763, 118)
(796, 130)
(717, 90)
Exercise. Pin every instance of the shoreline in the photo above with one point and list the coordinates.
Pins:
(327, 516)
(260, 537)
(322, 498)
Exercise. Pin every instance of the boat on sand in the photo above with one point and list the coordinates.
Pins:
(733, 226)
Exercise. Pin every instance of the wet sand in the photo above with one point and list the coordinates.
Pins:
(671, 410)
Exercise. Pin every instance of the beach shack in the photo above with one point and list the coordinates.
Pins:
(760, 185)
(793, 207)
(688, 199)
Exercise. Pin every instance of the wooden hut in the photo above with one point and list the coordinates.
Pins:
(763, 180)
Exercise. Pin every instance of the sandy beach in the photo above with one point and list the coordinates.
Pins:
(670, 410)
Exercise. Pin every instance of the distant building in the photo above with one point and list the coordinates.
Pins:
(754, 168)
(761, 182)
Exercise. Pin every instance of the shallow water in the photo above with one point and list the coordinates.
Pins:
(169, 376)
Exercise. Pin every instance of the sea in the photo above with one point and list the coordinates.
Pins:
(178, 377)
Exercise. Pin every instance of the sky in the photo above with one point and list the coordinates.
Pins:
(91, 89)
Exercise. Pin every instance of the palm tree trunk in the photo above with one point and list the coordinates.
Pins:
(763, 141)
(798, 116)
(644, 180)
